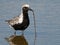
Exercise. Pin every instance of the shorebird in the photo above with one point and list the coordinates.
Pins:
(20, 22)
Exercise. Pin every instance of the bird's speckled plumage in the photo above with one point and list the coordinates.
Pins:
(16, 20)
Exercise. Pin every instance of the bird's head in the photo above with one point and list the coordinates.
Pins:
(26, 7)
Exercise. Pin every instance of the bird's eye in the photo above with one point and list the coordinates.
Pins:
(25, 8)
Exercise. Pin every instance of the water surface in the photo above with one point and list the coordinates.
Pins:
(47, 14)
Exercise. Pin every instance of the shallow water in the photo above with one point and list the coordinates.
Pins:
(47, 14)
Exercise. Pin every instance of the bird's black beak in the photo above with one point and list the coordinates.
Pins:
(30, 9)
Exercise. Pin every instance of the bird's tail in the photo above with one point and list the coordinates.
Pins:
(7, 20)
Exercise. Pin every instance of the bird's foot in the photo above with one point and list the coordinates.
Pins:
(15, 33)
(22, 33)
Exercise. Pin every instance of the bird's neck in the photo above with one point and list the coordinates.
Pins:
(25, 15)
(25, 12)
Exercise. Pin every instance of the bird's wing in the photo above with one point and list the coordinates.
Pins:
(13, 21)
(18, 19)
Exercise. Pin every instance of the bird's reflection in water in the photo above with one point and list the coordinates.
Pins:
(17, 40)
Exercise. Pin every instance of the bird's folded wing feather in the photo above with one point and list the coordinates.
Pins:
(13, 21)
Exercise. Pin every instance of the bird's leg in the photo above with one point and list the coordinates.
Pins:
(22, 32)
(15, 33)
